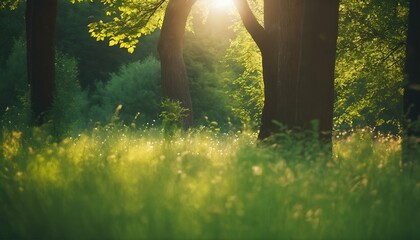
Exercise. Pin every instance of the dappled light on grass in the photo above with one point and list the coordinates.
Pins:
(132, 183)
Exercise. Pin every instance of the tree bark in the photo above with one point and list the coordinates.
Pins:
(411, 99)
(298, 53)
(315, 98)
(281, 54)
(40, 36)
(175, 83)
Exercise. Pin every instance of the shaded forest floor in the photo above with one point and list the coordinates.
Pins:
(120, 183)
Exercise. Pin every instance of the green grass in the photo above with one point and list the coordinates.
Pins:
(117, 183)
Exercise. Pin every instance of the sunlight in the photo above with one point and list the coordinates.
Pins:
(222, 4)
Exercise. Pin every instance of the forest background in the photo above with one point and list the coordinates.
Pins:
(223, 63)
(107, 166)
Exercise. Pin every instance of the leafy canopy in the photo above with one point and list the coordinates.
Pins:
(126, 21)
(11, 4)
(370, 61)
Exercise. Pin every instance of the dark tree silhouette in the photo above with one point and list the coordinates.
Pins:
(40, 34)
(412, 87)
(298, 45)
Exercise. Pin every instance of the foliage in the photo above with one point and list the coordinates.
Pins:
(369, 69)
(209, 76)
(11, 4)
(70, 101)
(74, 40)
(133, 85)
(127, 21)
(248, 98)
(172, 115)
(131, 184)
(370, 60)
(244, 56)
(13, 83)
(136, 86)
(14, 98)
(12, 25)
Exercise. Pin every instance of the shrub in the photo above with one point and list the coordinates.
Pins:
(70, 102)
(135, 87)
(13, 83)
(172, 115)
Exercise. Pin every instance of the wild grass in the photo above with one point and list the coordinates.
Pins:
(123, 183)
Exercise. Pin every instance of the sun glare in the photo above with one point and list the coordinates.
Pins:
(222, 4)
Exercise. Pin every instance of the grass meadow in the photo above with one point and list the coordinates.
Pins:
(124, 183)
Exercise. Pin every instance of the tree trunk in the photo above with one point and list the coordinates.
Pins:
(315, 99)
(412, 88)
(175, 83)
(281, 55)
(298, 44)
(40, 34)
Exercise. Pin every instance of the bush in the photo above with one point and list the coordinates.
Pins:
(70, 102)
(136, 88)
(172, 115)
(13, 81)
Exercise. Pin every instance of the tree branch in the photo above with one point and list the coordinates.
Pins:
(393, 50)
(154, 9)
(250, 22)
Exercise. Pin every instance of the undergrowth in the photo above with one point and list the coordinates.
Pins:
(117, 182)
